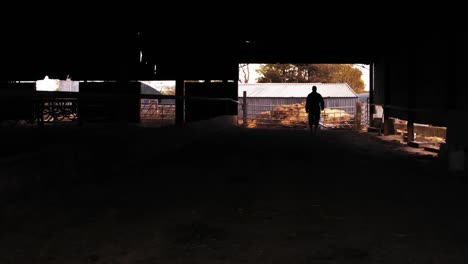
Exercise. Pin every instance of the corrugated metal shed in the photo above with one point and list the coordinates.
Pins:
(363, 97)
(301, 90)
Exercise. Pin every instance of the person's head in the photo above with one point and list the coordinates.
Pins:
(314, 88)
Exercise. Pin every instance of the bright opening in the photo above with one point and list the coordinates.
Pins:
(158, 108)
(276, 94)
(56, 85)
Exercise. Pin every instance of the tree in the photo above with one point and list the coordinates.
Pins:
(168, 90)
(245, 72)
(308, 73)
(276, 73)
(346, 73)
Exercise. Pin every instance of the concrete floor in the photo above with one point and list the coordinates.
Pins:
(144, 195)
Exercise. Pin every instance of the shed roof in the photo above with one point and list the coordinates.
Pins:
(342, 90)
(363, 97)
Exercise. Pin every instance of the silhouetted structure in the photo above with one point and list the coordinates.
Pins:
(418, 79)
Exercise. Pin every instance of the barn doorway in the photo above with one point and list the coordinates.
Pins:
(157, 103)
(275, 94)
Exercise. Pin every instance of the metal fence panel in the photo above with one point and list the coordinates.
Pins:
(290, 112)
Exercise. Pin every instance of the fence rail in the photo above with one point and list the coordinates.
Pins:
(41, 107)
(151, 111)
(294, 115)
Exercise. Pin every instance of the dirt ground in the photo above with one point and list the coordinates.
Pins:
(142, 195)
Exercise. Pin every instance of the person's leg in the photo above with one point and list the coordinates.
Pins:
(311, 123)
(317, 125)
(315, 122)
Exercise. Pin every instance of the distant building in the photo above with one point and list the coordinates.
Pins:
(266, 96)
(47, 84)
(69, 86)
(56, 85)
(363, 97)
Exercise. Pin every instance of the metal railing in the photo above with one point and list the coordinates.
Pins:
(58, 110)
(152, 111)
(294, 115)
(63, 107)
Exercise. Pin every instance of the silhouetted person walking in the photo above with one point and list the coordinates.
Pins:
(314, 105)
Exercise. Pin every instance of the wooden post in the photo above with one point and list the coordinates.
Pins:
(411, 114)
(386, 109)
(180, 102)
(385, 120)
(358, 116)
(244, 109)
(370, 102)
(410, 129)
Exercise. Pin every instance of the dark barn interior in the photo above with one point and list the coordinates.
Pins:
(109, 190)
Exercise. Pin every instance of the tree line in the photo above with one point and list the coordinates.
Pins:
(311, 73)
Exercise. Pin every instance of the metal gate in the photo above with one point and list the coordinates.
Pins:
(294, 116)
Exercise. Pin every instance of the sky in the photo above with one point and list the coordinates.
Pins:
(363, 67)
(365, 74)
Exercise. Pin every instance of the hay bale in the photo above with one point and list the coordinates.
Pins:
(335, 115)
